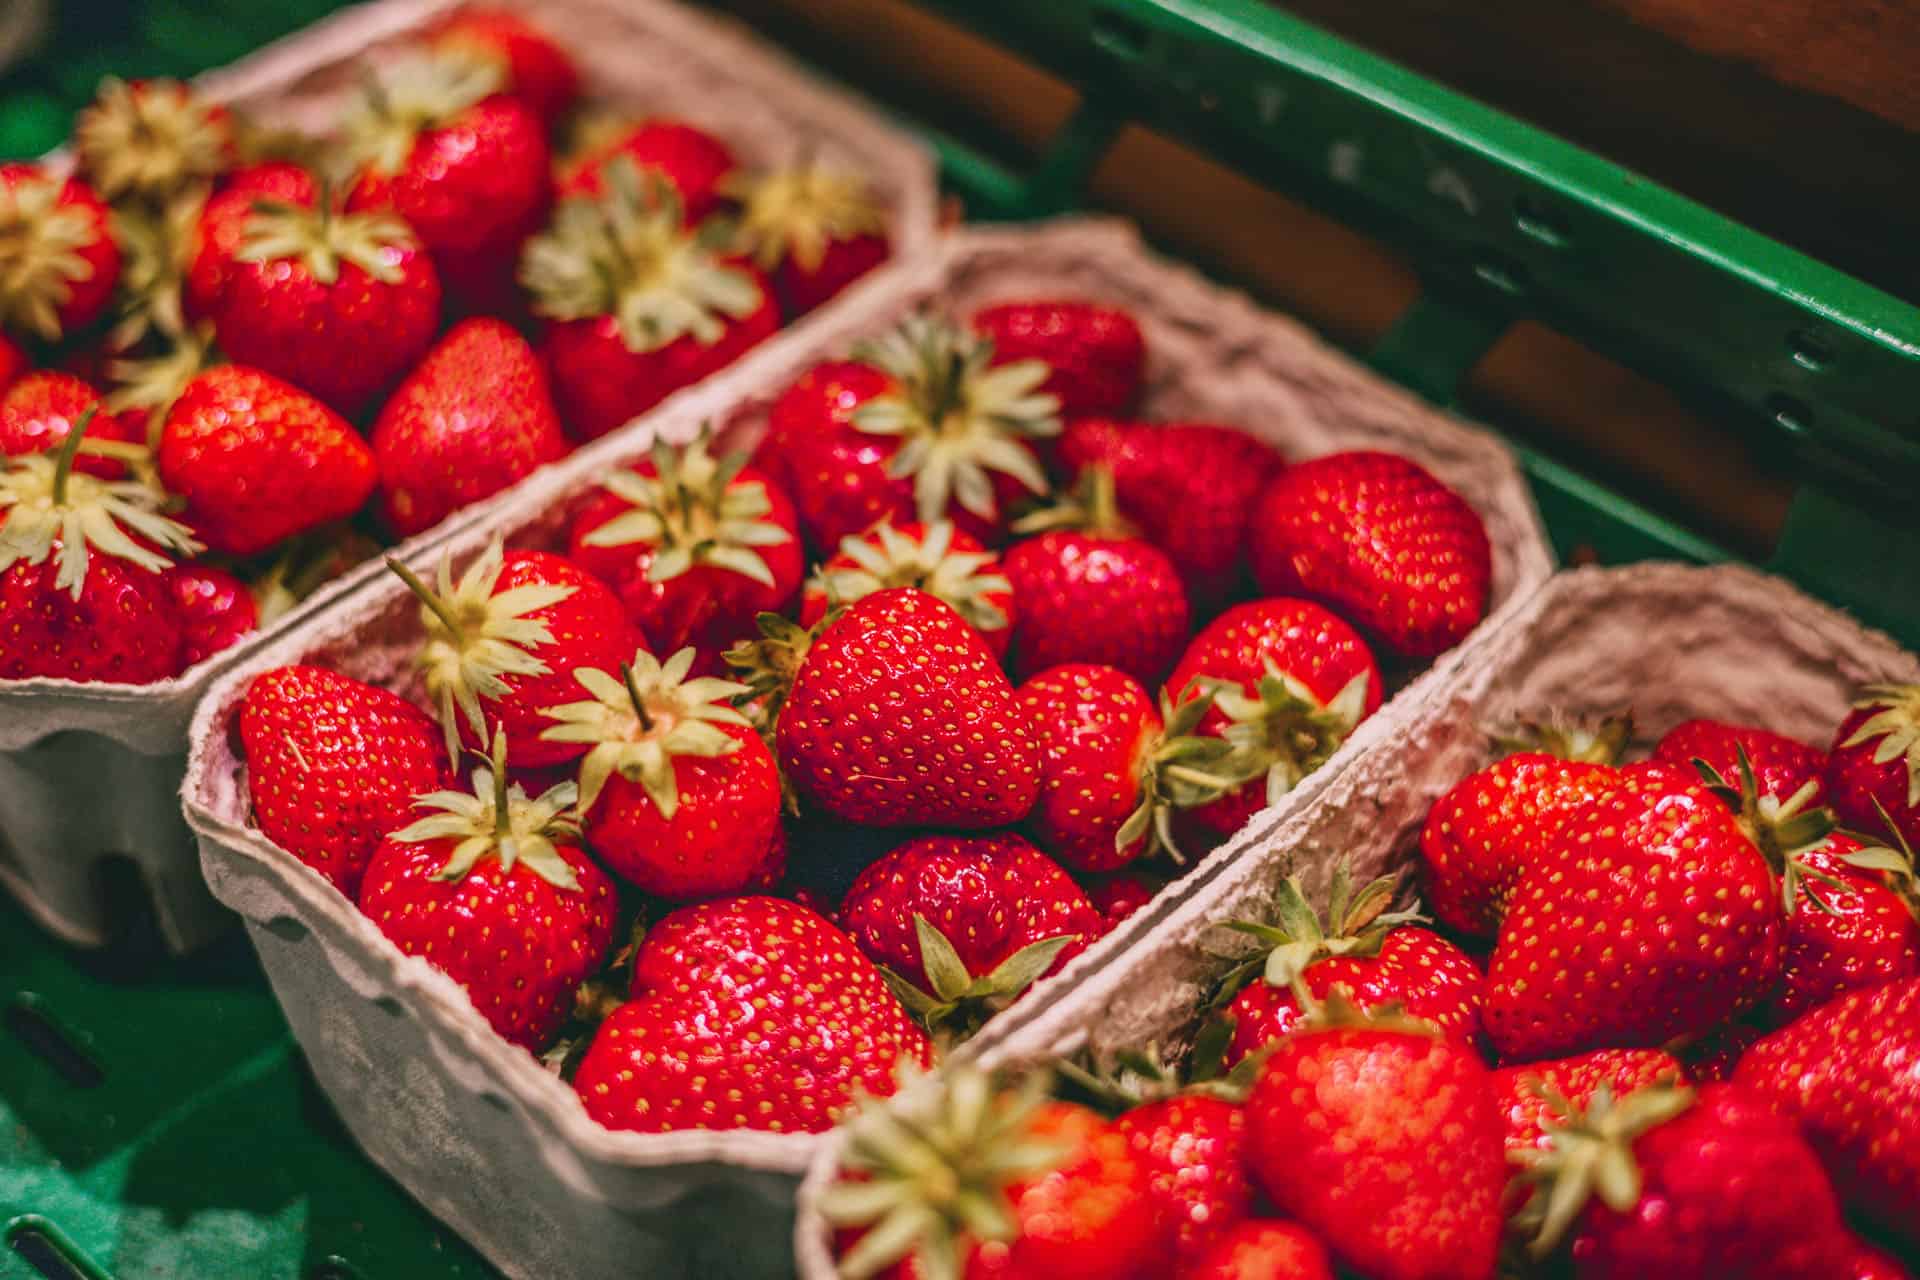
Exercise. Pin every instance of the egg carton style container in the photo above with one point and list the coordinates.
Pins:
(90, 772)
(1671, 642)
(473, 1127)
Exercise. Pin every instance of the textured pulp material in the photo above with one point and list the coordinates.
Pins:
(472, 1126)
(1668, 641)
(91, 770)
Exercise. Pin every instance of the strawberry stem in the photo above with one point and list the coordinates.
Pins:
(434, 603)
(69, 450)
(502, 826)
(639, 703)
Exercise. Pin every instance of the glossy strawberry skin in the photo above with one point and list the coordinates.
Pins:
(214, 607)
(1094, 726)
(87, 295)
(1193, 1148)
(1865, 936)
(1858, 788)
(1376, 537)
(1429, 977)
(693, 161)
(123, 628)
(518, 944)
(1387, 1145)
(222, 228)
(1191, 488)
(900, 717)
(747, 1013)
(1263, 1249)
(845, 261)
(1119, 894)
(259, 460)
(814, 603)
(538, 70)
(1781, 766)
(1079, 597)
(1526, 1113)
(1849, 1072)
(1096, 352)
(1713, 1058)
(1868, 1263)
(333, 766)
(991, 895)
(39, 409)
(474, 416)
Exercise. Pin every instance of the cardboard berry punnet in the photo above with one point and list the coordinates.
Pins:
(473, 1127)
(64, 745)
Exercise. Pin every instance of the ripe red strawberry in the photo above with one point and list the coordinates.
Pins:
(1094, 354)
(1090, 589)
(473, 417)
(83, 591)
(494, 890)
(920, 425)
(1874, 763)
(1522, 1092)
(38, 410)
(14, 362)
(1191, 488)
(58, 261)
(1712, 1058)
(222, 227)
(1379, 957)
(1119, 894)
(533, 67)
(639, 306)
(1113, 768)
(501, 646)
(150, 139)
(936, 558)
(746, 1013)
(258, 460)
(1384, 1140)
(1847, 1073)
(681, 796)
(1848, 929)
(1781, 766)
(696, 547)
(1375, 536)
(1669, 1184)
(333, 766)
(691, 161)
(1193, 1147)
(215, 610)
(1652, 915)
(899, 716)
(1002, 915)
(1264, 1249)
(1293, 681)
(813, 230)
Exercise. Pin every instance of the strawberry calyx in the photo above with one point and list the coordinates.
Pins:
(498, 820)
(1283, 730)
(1896, 722)
(475, 638)
(1141, 1076)
(1360, 923)
(150, 386)
(400, 101)
(1092, 507)
(887, 556)
(1588, 1151)
(639, 721)
(794, 214)
(40, 258)
(45, 503)
(1783, 830)
(151, 138)
(1181, 769)
(957, 415)
(625, 254)
(769, 664)
(1598, 742)
(156, 245)
(1894, 863)
(694, 510)
(320, 238)
(960, 1002)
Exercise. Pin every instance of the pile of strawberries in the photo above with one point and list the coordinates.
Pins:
(823, 820)
(233, 361)
(1667, 1026)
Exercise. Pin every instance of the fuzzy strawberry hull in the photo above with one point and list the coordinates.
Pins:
(64, 745)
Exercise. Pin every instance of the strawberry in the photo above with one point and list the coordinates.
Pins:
(1872, 778)
(694, 163)
(899, 716)
(1376, 537)
(1191, 488)
(746, 1013)
(814, 231)
(58, 260)
(920, 425)
(1263, 1249)
(493, 889)
(695, 547)
(38, 410)
(1712, 1058)
(1117, 895)
(502, 644)
(681, 796)
(1868, 1263)
(1651, 915)
(339, 304)
(1291, 681)
(215, 610)
(221, 227)
(333, 766)
(935, 558)
(1666, 1183)
(14, 362)
(1094, 354)
(1523, 1092)
(83, 591)
(1384, 1140)
(474, 416)
(532, 66)
(963, 925)
(1847, 1073)
(1113, 769)
(639, 306)
(150, 139)
(1090, 589)
(1781, 766)
(1193, 1147)
(258, 460)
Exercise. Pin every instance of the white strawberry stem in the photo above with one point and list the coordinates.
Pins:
(639, 702)
(502, 812)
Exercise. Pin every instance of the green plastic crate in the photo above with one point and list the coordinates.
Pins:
(155, 1119)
